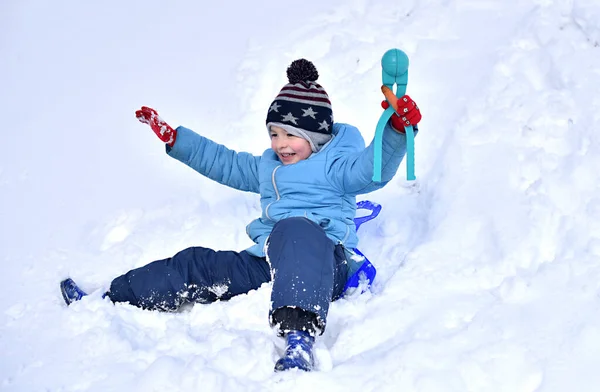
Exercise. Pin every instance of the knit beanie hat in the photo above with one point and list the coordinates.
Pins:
(302, 107)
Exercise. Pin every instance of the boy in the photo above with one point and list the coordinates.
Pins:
(308, 181)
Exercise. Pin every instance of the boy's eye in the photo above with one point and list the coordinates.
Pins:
(273, 135)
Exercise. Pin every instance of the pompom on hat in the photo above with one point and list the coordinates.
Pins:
(302, 107)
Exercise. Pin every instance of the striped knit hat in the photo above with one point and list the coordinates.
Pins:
(302, 106)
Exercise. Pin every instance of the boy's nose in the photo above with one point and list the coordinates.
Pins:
(281, 143)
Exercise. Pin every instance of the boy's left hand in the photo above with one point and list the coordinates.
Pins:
(408, 113)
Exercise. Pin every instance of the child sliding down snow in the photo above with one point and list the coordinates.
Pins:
(308, 182)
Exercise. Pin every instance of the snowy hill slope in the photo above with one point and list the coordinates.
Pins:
(488, 267)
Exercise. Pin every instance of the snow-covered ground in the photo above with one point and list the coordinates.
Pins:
(489, 273)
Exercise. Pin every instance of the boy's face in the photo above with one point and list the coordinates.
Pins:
(289, 148)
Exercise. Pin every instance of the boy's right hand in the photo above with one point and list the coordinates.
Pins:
(163, 130)
(408, 113)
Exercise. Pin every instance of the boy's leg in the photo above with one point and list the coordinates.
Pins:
(193, 275)
(309, 271)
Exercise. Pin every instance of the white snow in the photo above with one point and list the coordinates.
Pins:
(488, 265)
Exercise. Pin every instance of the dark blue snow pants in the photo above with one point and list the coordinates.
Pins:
(307, 268)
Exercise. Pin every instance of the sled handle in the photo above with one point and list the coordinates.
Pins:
(366, 205)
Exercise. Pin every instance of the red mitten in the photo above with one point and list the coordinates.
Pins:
(408, 113)
(163, 130)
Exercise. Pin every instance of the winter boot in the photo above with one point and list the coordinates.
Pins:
(70, 291)
(298, 353)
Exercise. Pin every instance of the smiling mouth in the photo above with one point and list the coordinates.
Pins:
(287, 154)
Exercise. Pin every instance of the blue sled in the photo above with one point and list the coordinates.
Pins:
(364, 276)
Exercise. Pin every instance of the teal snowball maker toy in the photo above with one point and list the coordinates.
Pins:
(394, 70)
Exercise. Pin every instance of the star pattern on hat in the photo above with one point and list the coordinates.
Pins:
(290, 118)
(304, 106)
(324, 125)
(274, 108)
(309, 112)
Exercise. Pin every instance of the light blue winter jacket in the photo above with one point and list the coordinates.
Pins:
(322, 188)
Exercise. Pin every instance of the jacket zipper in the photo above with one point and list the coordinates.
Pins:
(276, 191)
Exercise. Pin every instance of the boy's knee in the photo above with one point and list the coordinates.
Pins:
(300, 231)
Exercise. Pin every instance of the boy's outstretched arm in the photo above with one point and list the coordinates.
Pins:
(215, 161)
